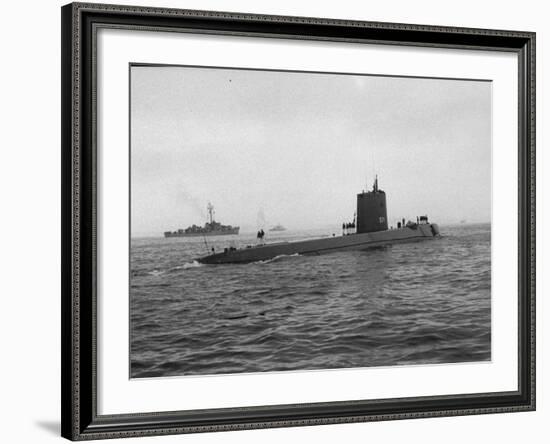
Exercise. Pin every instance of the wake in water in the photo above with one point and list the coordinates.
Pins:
(193, 264)
(156, 272)
(277, 258)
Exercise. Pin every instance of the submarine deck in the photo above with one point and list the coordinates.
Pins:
(322, 245)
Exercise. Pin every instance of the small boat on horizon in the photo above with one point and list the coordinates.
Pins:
(277, 227)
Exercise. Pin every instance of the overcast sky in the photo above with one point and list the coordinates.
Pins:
(300, 146)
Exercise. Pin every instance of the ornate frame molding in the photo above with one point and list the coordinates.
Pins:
(80, 420)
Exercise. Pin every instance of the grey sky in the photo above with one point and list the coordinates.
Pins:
(301, 145)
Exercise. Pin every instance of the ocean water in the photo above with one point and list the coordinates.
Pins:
(413, 303)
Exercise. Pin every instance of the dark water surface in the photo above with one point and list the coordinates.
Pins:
(414, 303)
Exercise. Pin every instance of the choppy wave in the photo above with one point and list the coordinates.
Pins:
(418, 303)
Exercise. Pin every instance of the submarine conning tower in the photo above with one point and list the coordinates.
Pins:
(371, 210)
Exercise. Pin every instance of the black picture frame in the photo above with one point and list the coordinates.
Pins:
(78, 332)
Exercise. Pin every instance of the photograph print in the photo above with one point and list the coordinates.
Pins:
(295, 221)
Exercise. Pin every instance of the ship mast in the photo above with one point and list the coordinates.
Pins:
(210, 209)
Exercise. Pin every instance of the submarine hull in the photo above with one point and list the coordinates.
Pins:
(323, 245)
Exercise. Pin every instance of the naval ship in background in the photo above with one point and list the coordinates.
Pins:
(368, 229)
(211, 228)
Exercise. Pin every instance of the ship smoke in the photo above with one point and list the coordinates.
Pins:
(260, 219)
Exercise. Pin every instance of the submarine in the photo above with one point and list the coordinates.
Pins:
(368, 229)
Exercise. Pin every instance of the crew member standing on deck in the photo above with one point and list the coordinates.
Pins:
(260, 236)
